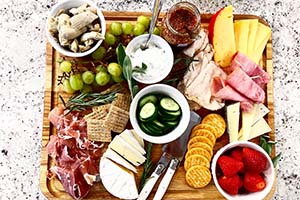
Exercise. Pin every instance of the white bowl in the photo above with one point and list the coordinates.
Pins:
(68, 4)
(168, 91)
(158, 57)
(269, 173)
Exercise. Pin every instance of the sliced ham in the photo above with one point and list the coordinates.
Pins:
(220, 90)
(241, 82)
(258, 75)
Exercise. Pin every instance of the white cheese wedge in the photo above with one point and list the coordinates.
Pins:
(261, 111)
(120, 146)
(138, 138)
(232, 118)
(259, 128)
(247, 121)
(130, 139)
(117, 180)
(112, 155)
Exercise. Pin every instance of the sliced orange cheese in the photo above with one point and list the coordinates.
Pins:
(221, 34)
(263, 34)
(241, 31)
(253, 24)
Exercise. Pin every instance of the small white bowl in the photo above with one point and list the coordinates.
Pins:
(68, 4)
(158, 57)
(174, 94)
(269, 173)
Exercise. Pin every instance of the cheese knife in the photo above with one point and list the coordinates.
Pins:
(176, 150)
(160, 168)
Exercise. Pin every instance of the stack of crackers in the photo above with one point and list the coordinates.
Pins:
(107, 118)
(200, 150)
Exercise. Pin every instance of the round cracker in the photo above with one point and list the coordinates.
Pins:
(206, 127)
(200, 139)
(202, 145)
(196, 160)
(217, 121)
(205, 133)
(198, 151)
(198, 176)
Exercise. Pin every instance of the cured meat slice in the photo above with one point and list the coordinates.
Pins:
(76, 158)
(258, 75)
(240, 81)
(222, 91)
(199, 90)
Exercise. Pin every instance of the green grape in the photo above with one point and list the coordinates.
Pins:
(138, 29)
(116, 28)
(76, 82)
(114, 69)
(102, 78)
(117, 79)
(86, 89)
(66, 66)
(110, 39)
(127, 28)
(67, 87)
(143, 20)
(156, 31)
(88, 77)
(101, 68)
(99, 53)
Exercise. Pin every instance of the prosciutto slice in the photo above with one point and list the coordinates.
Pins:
(76, 158)
(240, 81)
(258, 75)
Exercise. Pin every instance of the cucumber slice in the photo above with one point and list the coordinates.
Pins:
(158, 124)
(148, 112)
(154, 130)
(145, 128)
(168, 104)
(172, 123)
(146, 99)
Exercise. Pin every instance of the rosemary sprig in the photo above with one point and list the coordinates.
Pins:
(147, 166)
(84, 101)
(267, 145)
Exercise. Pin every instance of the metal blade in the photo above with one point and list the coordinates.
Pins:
(178, 147)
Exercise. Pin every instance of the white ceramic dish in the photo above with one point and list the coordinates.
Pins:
(269, 173)
(171, 92)
(158, 57)
(68, 4)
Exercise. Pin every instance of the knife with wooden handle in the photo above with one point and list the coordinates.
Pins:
(177, 150)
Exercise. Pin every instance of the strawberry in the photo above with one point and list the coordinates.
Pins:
(253, 182)
(231, 184)
(237, 154)
(230, 166)
(253, 160)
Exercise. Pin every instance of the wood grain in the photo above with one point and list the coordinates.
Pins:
(178, 189)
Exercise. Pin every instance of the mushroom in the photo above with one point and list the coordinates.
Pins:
(52, 25)
(83, 19)
(74, 46)
(91, 35)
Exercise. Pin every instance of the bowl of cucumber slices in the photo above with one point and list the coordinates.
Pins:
(159, 113)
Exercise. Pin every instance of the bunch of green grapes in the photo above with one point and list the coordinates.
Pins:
(83, 81)
(117, 29)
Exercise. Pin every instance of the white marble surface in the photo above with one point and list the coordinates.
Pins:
(22, 76)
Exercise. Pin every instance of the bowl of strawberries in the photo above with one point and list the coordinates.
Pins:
(243, 170)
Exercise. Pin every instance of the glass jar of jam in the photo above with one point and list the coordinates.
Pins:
(181, 24)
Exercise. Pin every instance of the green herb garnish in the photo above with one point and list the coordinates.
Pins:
(267, 145)
(147, 166)
(84, 101)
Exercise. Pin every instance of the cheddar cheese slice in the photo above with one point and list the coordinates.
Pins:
(263, 34)
(241, 31)
(253, 24)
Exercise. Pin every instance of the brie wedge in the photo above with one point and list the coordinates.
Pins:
(120, 146)
(117, 180)
(130, 139)
(112, 155)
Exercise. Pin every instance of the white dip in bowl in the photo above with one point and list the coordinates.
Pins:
(158, 58)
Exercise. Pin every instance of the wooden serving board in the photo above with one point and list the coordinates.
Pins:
(178, 189)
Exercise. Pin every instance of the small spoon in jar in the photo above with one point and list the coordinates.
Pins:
(157, 5)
